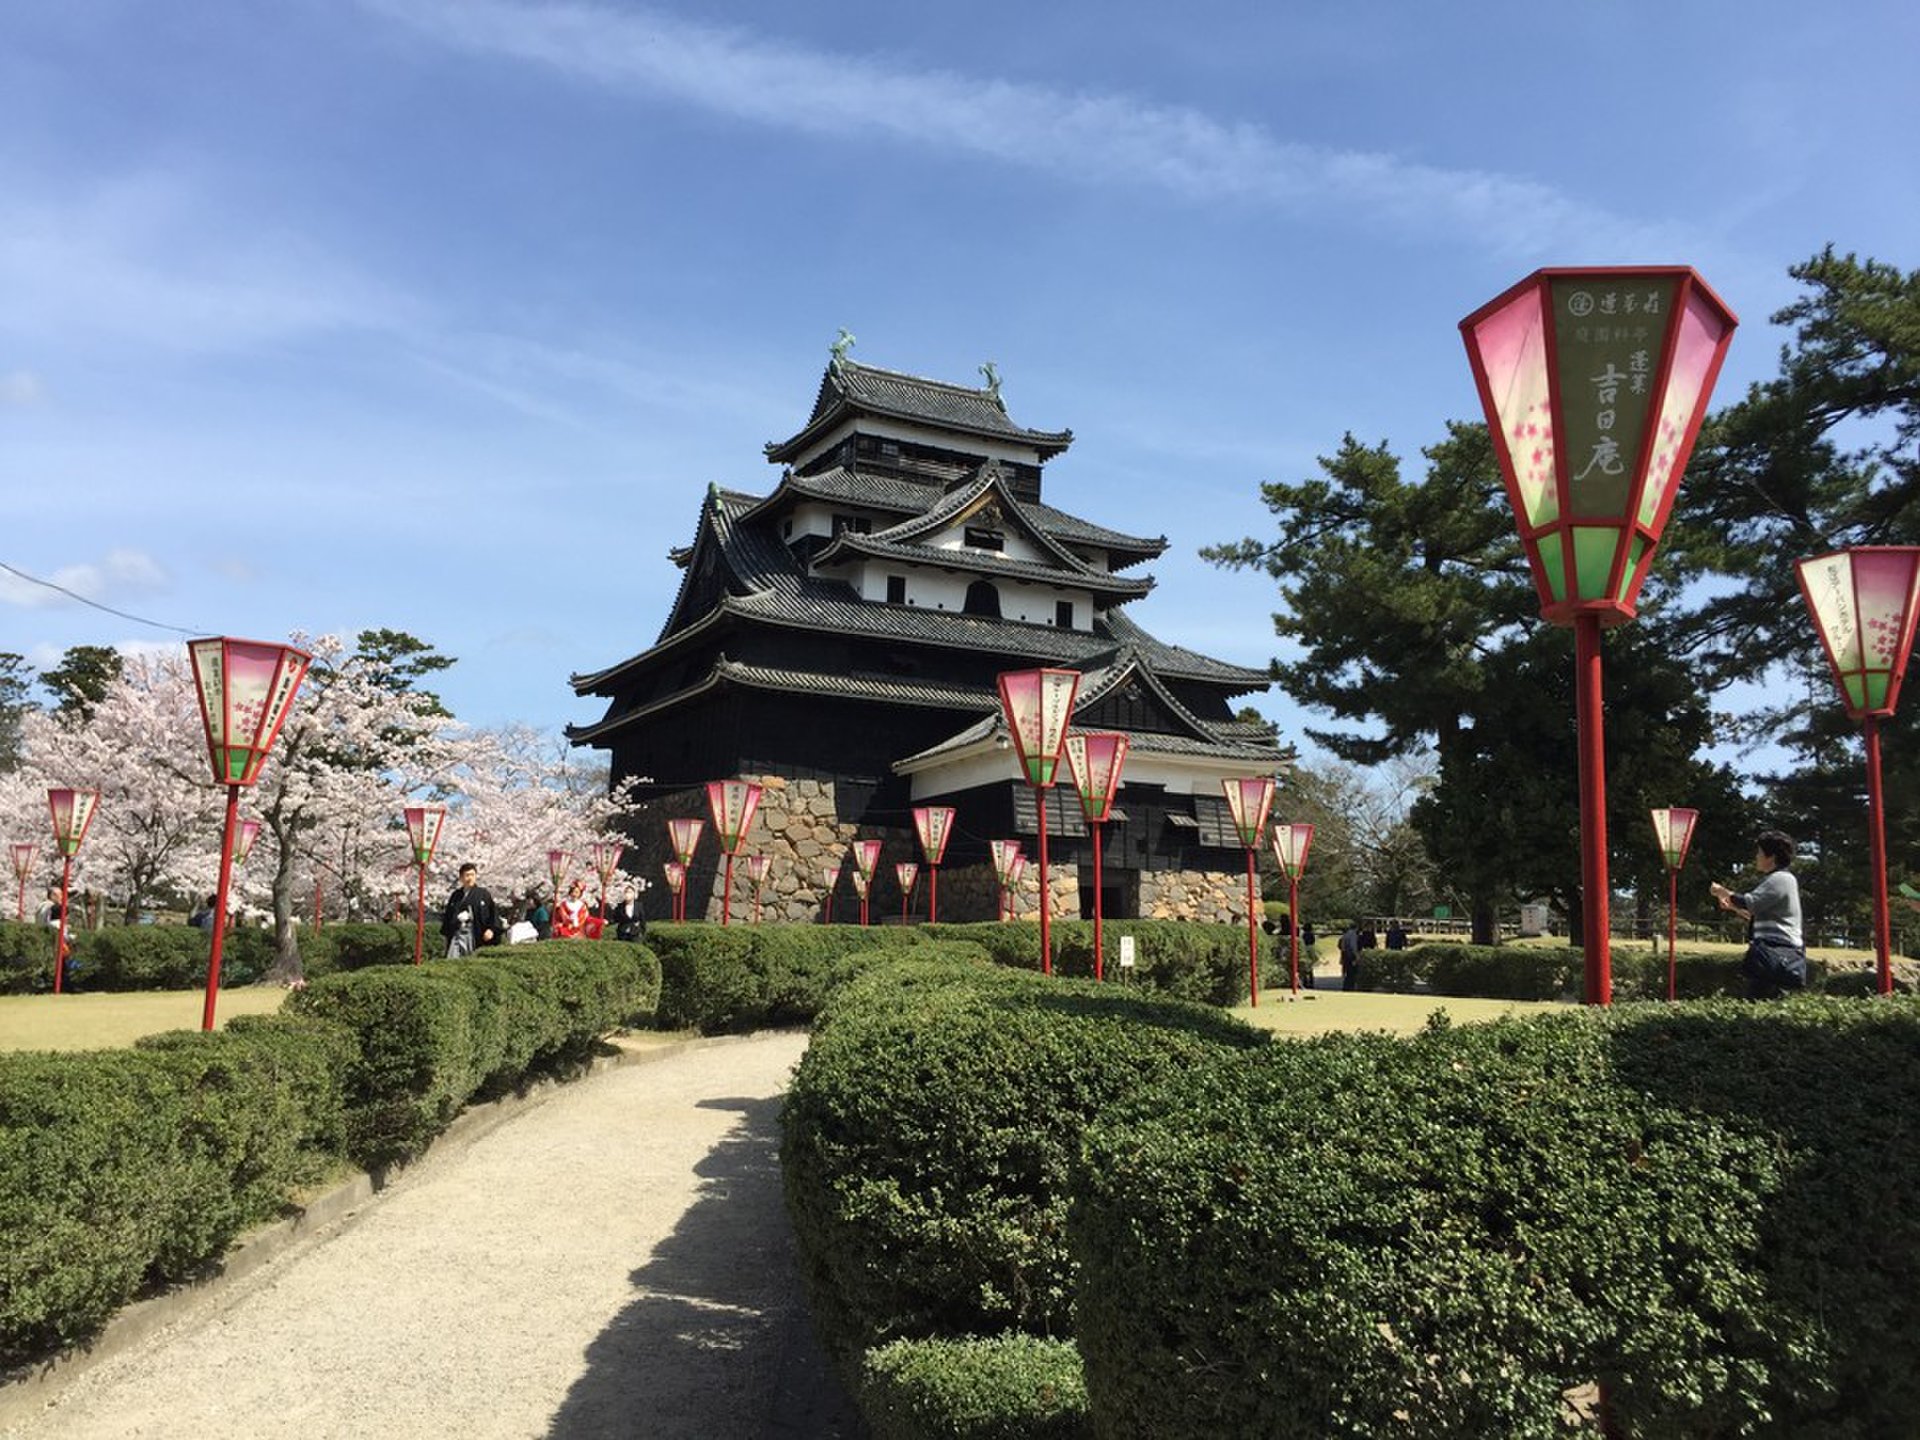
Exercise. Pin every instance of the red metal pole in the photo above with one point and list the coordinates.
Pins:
(1046, 945)
(1253, 936)
(903, 905)
(60, 940)
(316, 905)
(1593, 810)
(1877, 834)
(1673, 932)
(1099, 971)
(933, 896)
(1293, 929)
(23, 900)
(829, 905)
(220, 905)
(420, 915)
(726, 903)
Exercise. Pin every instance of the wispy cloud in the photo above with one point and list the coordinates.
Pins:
(156, 259)
(1089, 138)
(122, 573)
(21, 390)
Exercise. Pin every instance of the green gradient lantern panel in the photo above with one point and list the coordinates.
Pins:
(732, 803)
(424, 823)
(1673, 829)
(676, 874)
(1095, 762)
(1005, 852)
(684, 835)
(1290, 846)
(246, 690)
(1249, 800)
(933, 824)
(243, 841)
(1594, 384)
(757, 868)
(906, 872)
(22, 861)
(72, 812)
(1037, 705)
(1862, 603)
(866, 855)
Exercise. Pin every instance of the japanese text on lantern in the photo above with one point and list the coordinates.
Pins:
(1609, 340)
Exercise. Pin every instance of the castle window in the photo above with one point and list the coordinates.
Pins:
(1063, 614)
(896, 589)
(985, 539)
(982, 599)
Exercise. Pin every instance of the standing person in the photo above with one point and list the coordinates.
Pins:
(1307, 938)
(470, 918)
(48, 912)
(1396, 935)
(540, 917)
(1350, 957)
(629, 923)
(1776, 958)
(202, 918)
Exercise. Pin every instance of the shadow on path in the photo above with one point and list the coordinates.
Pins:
(719, 1344)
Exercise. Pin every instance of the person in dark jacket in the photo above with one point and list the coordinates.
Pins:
(1396, 935)
(470, 918)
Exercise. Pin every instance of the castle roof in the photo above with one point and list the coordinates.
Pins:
(850, 389)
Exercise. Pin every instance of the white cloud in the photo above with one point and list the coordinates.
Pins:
(20, 390)
(1084, 137)
(156, 259)
(120, 573)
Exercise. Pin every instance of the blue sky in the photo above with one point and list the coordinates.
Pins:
(441, 315)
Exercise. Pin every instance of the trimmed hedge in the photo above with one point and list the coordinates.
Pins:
(1177, 958)
(720, 978)
(435, 1036)
(119, 1169)
(128, 957)
(930, 1129)
(1011, 1387)
(1707, 1208)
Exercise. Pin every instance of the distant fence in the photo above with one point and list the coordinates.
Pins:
(1631, 927)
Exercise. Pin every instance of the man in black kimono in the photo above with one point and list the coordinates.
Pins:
(470, 919)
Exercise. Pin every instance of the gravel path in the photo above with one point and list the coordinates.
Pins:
(613, 1262)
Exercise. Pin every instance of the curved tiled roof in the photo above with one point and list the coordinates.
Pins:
(985, 562)
(848, 387)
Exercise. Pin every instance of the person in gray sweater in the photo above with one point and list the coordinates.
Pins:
(1776, 958)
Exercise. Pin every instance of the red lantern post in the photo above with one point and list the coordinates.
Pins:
(830, 877)
(246, 690)
(22, 854)
(866, 858)
(757, 867)
(72, 812)
(906, 872)
(423, 834)
(933, 824)
(1005, 854)
(676, 882)
(1673, 830)
(1863, 605)
(604, 856)
(683, 834)
(732, 803)
(1095, 762)
(1249, 800)
(1037, 705)
(1290, 846)
(1594, 384)
(1016, 873)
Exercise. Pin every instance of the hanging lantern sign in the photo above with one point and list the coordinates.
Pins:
(676, 876)
(1005, 852)
(243, 839)
(1095, 762)
(424, 823)
(757, 868)
(1673, 829)
(72, 813)
(1862, 602)
(866, 857)
(906, 872)
(1249, 800)
(246, 689)
(732, 803)
(933, 824)
(1290, 846)
(557, 861)
(684, 835)
(1037, 705)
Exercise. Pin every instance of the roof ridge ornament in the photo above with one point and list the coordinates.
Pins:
(838, 349)
(992, 372)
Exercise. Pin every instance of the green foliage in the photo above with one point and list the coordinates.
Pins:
(1009, 1387)
(1506, 972)
(1207, 963)
(432, 1037)
(122, 1168)
(355, 945)
(1474, 1222)
(129, 957)
(79, 682)
(16, 681)
(930, 1129)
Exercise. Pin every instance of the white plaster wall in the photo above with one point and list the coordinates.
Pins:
(937, 590)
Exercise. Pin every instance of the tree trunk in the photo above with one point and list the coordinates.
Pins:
(1576, 904)
(286, 968)
(1486, 923)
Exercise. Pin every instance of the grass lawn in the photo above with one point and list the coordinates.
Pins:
(105, 1022)
(1323, 1010)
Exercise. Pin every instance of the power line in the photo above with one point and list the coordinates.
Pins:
(75, 595)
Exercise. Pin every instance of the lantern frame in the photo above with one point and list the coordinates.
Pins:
(72, 811)
(424, 824)
(1291, 843)
(933, 825)
(683, 834)
(243, 841)
(1095, 760)
(1834, 587)
(1037, 706)
(866, 857)
(732, 803)
(22, 854)
(1522, 348)
(246, 690)
(1249, 801)
(557, 870)
(1673, 828)
(1004, 853)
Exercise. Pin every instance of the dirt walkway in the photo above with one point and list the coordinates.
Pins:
(613, 1262)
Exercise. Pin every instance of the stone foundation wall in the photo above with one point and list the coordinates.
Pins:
(796, 825)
